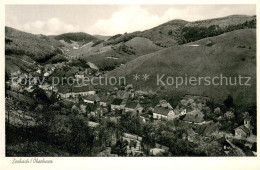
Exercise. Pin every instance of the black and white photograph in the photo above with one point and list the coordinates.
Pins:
(130, 80)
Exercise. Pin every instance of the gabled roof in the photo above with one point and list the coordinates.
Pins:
(92, 97)
(132, 136)
(157, 145)
(243, 128)
(122, 94)
(106, 98)
(117, 101)
(194, 116)
(177, 111)
(130, 104)
(162, 110)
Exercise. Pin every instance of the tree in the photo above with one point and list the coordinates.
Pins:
(81, 137)
(120, 148)
(41, 96)
(54, 97)
(229, 102)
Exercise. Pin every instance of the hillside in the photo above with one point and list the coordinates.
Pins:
(102, 37)
(110, 56)
(230, 54)
(142, 45)
(179, 31)
(80, 37)
(38, 47)
(222, 22)
(159, 35)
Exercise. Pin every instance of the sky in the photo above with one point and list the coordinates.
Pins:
(110, 19)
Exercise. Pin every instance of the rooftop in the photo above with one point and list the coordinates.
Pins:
(92, 97)
(117, 101)
(194, 116)
(162, 110)
(244, 128)
(130, 104)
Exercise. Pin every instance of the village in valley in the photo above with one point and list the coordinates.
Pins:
(123, 121)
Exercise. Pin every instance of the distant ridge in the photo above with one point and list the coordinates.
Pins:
(77, 36)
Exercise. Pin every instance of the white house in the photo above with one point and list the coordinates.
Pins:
(74, 94)
(133, 107)
(163, 113)
(116, 104)
(105, 100)
(134, 143)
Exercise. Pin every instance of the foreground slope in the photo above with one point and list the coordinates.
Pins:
(230, 54)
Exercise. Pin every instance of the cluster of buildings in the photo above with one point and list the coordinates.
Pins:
(127, 100)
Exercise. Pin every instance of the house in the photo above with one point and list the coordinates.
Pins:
(128, 136)
(134, 143)
(87, 90)
(244, 131)
(133, 107)
(116, 104)
(93, 124)
(105, 100)
(157, 145)
(91, 99)
(157, 151)
(163, 113)
(164, 103)
(97, 113)
(194, 116)
(189, 134)
(179, 112)
(122, 94)
(229, 115)
(46, 87)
